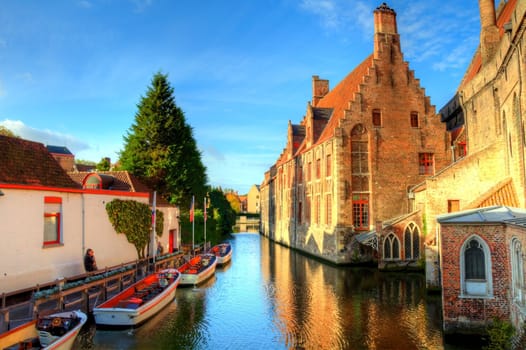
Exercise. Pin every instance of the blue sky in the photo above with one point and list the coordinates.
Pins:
(72, 72)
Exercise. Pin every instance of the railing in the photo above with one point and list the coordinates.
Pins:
(81, 292)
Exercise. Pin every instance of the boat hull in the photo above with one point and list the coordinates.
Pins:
(113, 314)
(223, 251)
(195, 278)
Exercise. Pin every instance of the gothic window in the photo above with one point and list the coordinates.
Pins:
(517, 271)
(412, 242)
(475, 268)
(391, 248)
(328, 165)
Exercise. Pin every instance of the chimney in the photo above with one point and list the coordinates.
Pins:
(320, 88)
(489, 32)
(384, 28)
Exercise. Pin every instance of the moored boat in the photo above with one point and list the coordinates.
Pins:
(198, 269)
(56, 331)
(223, 251)
(139, 302)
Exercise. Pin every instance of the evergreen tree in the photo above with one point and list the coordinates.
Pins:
(160, 148)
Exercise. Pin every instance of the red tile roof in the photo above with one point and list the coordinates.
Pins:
(339, 98)
(26, 162)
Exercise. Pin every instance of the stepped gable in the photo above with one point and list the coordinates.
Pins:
(504, 16)
(30, 163)
(339, 98)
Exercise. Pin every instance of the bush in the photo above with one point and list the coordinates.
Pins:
(500, 334)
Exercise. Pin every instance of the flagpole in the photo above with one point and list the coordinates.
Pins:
(193, 225)
(205, 224)
(152, 238)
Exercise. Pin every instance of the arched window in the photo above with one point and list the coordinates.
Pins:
(517, 271)
(391, 248)
(475, 268)
(411, 242)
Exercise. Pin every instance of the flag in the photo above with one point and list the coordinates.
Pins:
(192, 210)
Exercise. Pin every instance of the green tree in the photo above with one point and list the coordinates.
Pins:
(160, 148)
(104, 164)
(134, 219)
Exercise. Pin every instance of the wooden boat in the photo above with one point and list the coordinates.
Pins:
(139, 302)
(198, 269)
(223, 251)
(56, 331)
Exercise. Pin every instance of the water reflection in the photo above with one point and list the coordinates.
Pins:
(270, 297)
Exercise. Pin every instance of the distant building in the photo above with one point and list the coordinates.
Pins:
(253, 205)
(64, 157)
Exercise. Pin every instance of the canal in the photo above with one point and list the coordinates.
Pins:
(271, 297)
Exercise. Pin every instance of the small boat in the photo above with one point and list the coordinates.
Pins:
(140, 301)
(56, 331)
(198, 269)
(223, 251)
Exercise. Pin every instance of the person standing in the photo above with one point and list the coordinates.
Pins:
(89, 261)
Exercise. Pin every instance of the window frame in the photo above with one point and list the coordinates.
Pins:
(52, 209)
(476, 288)
(390, 240)
(376, 116)
(360, 206)
(426, 163)
(414, 120)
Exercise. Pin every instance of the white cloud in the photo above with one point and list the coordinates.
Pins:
(47, 137)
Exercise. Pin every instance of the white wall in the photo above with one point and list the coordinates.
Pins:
(24, 262)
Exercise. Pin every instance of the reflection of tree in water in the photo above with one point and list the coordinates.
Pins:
(184, 328)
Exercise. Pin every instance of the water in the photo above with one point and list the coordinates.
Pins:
(270, 297)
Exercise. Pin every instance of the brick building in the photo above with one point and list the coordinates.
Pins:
(484, 273)
(339, 190)
(486, 123)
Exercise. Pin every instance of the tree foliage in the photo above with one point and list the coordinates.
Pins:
(6, 132)
(104, 164)
(134, 219)
(234, 200)
(160, 148)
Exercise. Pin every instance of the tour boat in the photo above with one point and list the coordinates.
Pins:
(139, 302)
(198, 269)
(223, 251)
(56, 331)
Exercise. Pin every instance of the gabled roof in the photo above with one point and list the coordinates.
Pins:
(26, 162)
(494, 214)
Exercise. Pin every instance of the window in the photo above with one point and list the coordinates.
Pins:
(475, 268)
(328, 209)
(328, 166)
(414, 119)
(462, 149)
(309, 167)
(52, 220)
(426, 163)
(299, 213)
(300, 173)
(318, 168)
(377, 117)
(453, 205)
(360, 211)
(391, 248)
(317, 209)
(412, 242)
(517, 271)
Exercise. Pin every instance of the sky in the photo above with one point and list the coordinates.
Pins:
(72, 72)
